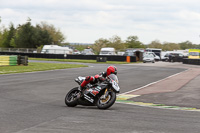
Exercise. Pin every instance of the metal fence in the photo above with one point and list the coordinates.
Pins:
(19, 50)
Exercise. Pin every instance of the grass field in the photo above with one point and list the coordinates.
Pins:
(81, 61)
(36, 67)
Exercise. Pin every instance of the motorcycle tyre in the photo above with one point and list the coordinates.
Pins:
(109, 104)
(74, 102)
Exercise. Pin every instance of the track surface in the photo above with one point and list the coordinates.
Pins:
(34, 103)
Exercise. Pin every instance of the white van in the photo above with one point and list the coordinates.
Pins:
(55, 49)
(107, 51)
(156, 57)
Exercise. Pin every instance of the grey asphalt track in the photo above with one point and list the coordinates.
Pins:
(181, 90)
(34, 103)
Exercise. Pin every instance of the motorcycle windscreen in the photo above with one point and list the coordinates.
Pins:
(114, 77)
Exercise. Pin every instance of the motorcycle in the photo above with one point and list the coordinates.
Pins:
(101, 94)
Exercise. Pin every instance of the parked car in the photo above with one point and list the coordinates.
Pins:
(148, 58)
(175, 57)
(87, 51)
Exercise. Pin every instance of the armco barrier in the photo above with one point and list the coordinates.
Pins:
(70, 56)
(191, 61)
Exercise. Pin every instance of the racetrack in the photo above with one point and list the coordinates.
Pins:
(34, 102)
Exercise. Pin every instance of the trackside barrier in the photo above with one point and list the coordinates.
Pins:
(128, 59)
(22, 60)
(70, 56)
(191, 61)
(101, 59)
(8, 60)
(13, 60)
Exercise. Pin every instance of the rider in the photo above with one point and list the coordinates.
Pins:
(98, 77)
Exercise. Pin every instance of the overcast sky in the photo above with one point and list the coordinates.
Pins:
(84, 21)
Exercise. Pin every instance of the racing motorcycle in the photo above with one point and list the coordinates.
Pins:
(101, 94)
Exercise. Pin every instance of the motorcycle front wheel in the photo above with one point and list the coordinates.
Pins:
(106, 102)
(72, 97)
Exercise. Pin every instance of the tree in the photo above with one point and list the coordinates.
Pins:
(42, 37)
(0, 39)
(24, 36)
(170, 46)
(100, 43)
(80, 47)
(133, 42)
(116, 43)
(155, 44)
(0, 35)
(186, 45)
(28, 36)
(3, 37)
(8, 36)
(12, 43)
(56, 35)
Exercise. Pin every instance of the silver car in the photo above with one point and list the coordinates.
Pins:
(148, 58)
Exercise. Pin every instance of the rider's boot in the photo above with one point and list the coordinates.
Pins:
(81, 89)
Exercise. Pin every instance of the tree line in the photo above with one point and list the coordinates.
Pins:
(29, 36)
(133, 42)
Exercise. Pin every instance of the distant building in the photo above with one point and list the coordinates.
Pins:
(138, 53)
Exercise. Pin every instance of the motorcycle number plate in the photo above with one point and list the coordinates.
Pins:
(115, 85)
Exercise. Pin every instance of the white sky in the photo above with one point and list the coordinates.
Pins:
(84, 21)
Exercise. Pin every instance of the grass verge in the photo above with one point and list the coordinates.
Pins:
(81, 61)
(32, 66)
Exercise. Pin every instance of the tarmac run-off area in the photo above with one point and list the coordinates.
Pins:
(164, 86)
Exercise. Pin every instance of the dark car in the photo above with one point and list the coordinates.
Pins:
(175, 57)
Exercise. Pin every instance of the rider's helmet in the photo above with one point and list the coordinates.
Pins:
(111, 70)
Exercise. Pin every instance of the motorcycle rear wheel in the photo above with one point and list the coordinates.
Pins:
(72, 97)
(104, 103)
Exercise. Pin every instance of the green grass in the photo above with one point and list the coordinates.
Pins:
(81, 61)
(36, 67)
